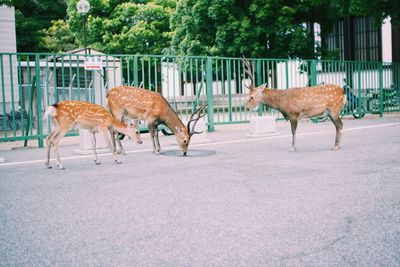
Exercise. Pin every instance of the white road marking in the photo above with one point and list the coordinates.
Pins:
(206, 144)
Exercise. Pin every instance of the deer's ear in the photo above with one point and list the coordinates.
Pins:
(262, 87)
(179, 130)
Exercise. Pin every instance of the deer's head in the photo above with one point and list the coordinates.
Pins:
(183, 135)
(133, 133)
(256, 95)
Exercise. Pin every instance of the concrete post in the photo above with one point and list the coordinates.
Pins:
(261, 126)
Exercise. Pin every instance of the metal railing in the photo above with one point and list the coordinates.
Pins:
(31, 82)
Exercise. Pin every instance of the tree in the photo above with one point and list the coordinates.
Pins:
(126, 26)
(379, 9)
(257, 28)
(32, 17)
(58, 37)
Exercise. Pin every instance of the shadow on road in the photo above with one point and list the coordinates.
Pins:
(192, 153)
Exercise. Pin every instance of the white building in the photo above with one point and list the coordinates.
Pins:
(8, 44)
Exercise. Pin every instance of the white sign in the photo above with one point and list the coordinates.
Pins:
(93, 63)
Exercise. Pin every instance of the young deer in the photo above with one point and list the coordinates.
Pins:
(141, 104)
(297, 103)
(67, 114)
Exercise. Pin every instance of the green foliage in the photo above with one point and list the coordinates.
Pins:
(379, 9)
(255, 28)
(32, 17)
(128, 27)
(58, 37)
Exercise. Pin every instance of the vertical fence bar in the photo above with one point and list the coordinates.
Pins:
(229, 77)
(313, 72)
(210, 100)
(39, 101)
(218, 106)
(128, 71)
(3, 93)
(135, 71)
(258, 83)
(14, 125)
(63, 78)
(55, 78)
(380, 71)
(21, 95)
(359, 103)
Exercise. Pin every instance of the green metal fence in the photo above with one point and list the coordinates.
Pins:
(31, 82)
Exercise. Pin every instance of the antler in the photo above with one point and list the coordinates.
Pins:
(197, 112)
(249, 73)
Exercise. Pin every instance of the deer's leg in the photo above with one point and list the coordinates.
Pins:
(157, 141)
(293, 124)
(338, 125)
(154, 135)
(49, 143)
(110, 146)
(96, 158)
(114, 135)
(121, 149)
(56, 142)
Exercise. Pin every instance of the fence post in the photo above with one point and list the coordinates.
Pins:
(259, 82)
(229, 79)
(135, 71)
(381, 107)
(313, 73)
(209, 90)
(39, 101)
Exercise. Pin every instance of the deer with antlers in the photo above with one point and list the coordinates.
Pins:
(70, 113)
(297, 103)
(142, 104)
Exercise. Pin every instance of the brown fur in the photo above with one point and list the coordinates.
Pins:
(304, 102)
(92, 117)
(152, 107)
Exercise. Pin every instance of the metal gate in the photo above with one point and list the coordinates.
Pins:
(31, 82)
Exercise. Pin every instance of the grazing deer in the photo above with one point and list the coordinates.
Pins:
(297, 103)
(141, 104)
(69, 113)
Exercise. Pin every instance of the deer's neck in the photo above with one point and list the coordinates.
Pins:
(119, 126)
(171, 120)
(273, 98)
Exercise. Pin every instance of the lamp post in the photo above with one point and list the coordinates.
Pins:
(83, 7)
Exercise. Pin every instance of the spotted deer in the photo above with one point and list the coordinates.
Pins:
(84, 115)
(142, 104)
(302, 102)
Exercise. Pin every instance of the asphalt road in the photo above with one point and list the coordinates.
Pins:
(234, 201)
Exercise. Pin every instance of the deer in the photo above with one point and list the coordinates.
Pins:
(301, 102)
(95, 118)
(141, 104)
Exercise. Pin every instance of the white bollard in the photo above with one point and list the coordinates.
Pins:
(262, 125)
(85, 143)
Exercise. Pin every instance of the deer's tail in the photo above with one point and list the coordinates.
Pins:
(344, 99)
(50, 111)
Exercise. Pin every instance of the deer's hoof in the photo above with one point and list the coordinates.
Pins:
(60, 168)
(293, 149)
(97, 162)
(118, 162)
(336, 148)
